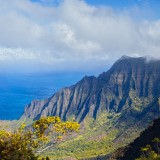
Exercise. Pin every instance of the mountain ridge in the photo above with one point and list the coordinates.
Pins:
(113, 91)
(112, 108)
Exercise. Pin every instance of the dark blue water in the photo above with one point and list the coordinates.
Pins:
(17, 90)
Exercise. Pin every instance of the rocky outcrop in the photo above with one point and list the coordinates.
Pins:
(130, 83)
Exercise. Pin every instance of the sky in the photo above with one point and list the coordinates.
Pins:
(76, 35)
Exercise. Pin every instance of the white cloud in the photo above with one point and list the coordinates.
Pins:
(71, 35)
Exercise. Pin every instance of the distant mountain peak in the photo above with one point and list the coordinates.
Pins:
(125, 57)
(145, 58)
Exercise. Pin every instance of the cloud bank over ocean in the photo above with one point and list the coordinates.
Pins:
(72, 35)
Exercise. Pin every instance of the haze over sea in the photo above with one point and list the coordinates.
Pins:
(18, 90)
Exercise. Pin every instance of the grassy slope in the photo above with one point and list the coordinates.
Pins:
(9, 125)
(95, 139)
(103, 136)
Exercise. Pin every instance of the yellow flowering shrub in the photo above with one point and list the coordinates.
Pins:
(21, 144)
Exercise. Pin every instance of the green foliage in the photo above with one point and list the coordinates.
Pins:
(22, 143)
(149, 153)
(93, 141)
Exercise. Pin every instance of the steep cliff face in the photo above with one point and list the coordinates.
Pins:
(130, 83)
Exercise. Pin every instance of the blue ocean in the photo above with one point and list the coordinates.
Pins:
(18, 90)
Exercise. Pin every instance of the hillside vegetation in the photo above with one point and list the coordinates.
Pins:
(23, 143)
(145, 147)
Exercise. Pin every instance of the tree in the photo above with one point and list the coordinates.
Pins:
(24, 142)
(151, 153)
